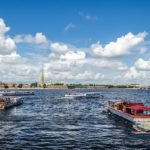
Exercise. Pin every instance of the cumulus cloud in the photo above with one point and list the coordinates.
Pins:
(141, 64)
(59, 48)
(68, 63)
(99, 76)
(132, 73)
(66, 52)
(53, 56)
(7, 44)
(73, 55)
(13, 67)
(12, 58)
(84, 75)
(71, 63)
(120, 47)
(71, 76)
(3, 28)
(103, 63)
(38, 38)
(69, 26)
(24, 73)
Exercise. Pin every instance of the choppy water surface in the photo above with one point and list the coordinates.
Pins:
(49, 121)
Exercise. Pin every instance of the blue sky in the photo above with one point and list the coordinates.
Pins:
(114, 18)
(71, 28)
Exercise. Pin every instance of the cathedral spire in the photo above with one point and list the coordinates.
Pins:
(42, 82)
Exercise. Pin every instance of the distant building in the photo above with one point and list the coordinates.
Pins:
(7, 85)
(10, 85)
(2, 85)
(26, 85)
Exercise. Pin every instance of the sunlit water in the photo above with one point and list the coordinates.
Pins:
(50, 121)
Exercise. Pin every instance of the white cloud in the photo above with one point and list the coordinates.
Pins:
(14, 68)
(132, 73)
(66, 52)
(141, 64)
(7, 45)
(59, 66)
(73, 55)
(18, 38)
(38, 38)
(59, 48)
(3, 28)
(114, 64)
(120, 47)
(53, 56)
(12, 58)
(70, 76)
(99, 76)
(23, 73)
(69, 26)
(68, 63)
(85, 75)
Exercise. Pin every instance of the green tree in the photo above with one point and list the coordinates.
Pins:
(20, 85)
(35, 84)
(6, 86)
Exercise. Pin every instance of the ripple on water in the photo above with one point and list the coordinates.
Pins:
(49, 121)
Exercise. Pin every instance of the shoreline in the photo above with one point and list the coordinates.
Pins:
(64, 88)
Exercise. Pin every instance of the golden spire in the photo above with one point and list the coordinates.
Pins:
(42, 78)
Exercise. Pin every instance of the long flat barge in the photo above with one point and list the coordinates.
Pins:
(16, 93)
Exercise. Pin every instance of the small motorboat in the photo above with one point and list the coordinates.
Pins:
(16, 93)
(134, 112)
(84, 95)
(94, 95)
(75, 95)
(8, 102)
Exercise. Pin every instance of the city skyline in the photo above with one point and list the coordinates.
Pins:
(103, 42)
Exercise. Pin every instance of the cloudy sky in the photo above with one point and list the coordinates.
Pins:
(78, 41)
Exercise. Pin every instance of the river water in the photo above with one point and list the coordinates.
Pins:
(50, 121)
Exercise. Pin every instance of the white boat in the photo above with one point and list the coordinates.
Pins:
(84, 95)
(75, 95)
(135, 113)
(8, 102)
(16, 93)
(94, 95)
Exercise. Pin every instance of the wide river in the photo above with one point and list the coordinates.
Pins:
(47, 120)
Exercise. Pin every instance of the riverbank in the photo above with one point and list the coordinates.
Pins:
(65, 88)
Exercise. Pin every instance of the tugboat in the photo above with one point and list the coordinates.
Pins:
(16, 93)
(134, 112)
(9, 102)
